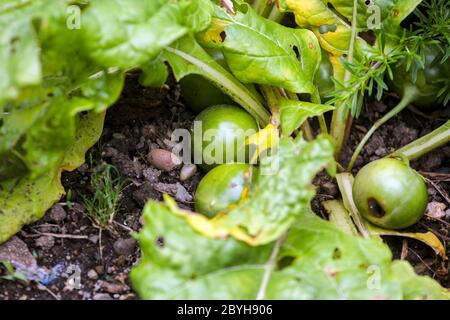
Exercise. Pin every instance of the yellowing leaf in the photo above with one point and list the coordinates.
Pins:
(429, 238)
(263, 140)
(213, 34)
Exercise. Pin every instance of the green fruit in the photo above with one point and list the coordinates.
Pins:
(428, 82)
(390, 194)
(199, 93)
(323, 79)
(224, 129)
(222, 187)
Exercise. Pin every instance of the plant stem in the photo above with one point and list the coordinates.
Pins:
(345, 184)
(269, 267)
(409, 95)
(263, 7)
(340, 115)
(339, 216)
(236, 90)
(338, 127)
(275, 14)
(322, 124)
(432, 140)
(272, 101)
(307, 131)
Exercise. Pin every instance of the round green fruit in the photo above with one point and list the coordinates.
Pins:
(428, 82)
(222, 187)
(199, 93)
(219, 135)
(389, 194)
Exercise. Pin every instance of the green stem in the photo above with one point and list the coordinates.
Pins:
(231, 86)
(339, 216)
(307, 131)
(338, 127)
(276, 15)
(433, 140)
(340, 115)
(410, 93)
(262, 7)
(322, 124)
(272, 101)
(345, 184)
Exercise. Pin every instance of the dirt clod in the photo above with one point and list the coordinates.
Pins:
(57, 213)
(45, 242)
(124, 247)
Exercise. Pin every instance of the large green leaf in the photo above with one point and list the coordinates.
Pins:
(261, 51)
(186, 56)
(316, 261)
(127, 33)
(25, 200)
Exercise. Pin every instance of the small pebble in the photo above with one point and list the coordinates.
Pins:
(102, 296)
(124, 247)
(57, 213)
(45, 242)
(92, 274)
(113, 288)
(187, 171)
(100, 269)
(163, 159)
(436, 210)
(94, 238)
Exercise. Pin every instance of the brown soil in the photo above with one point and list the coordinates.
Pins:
(143, 119)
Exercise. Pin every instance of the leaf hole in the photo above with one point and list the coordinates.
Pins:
(369, 36)
(296, 51)
(375, 208)
(304, 97)
(337, 254)
(160, 242)
(285, 262)
(223, 36)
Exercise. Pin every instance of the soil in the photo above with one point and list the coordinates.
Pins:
(142, 120)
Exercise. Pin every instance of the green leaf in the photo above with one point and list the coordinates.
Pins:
(126, 34)
(154, 73)
(179, 262)
(186, 56)
(20, 63)
(274, 204)
(25, 200)
(316, 261)
(261, 51)
(293, 113)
